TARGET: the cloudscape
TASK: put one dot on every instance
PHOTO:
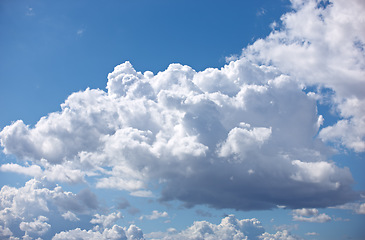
(270, 145)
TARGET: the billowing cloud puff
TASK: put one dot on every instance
(28, 206)
(70, 216)
(245, 146)
(106, 220)
(310, 215)
(115, 232)
(229, 228)
(39, 226)
(321, 44)
(245, 136)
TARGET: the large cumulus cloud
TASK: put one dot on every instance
(245, 136)
(238, 137)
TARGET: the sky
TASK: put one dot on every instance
(156, 119)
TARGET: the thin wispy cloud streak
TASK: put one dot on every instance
(247, 136)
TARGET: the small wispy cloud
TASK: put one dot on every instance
(80, 32)
(30, 12)
(261, 12)
(312, 234)
(155, 215)
(310, 215)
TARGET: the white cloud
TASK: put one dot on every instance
(229, 228)
(33, 170)
(134, 233)
(178, 128)
(310, 215)
(5, 232)
(80, 32)
(70, 216)
(106, 220)
(30, 12)
(280, 235)
(115, 232)
(246, 134)
(36, 199)
(321, 218)
(361, 209)
(306, 211)
(356, 207)
(312, 234)
(155, 215)
(324, 47)
(39, 226)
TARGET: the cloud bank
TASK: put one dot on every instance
(229, 228)
(246, 136)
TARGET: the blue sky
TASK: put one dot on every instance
(182, 119)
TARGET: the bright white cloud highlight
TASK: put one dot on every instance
(39, 226)
(155, 215)
(106, 220)
(70, 216)
(229, 228)
(322, 44)
(36, 199)
(310, 215)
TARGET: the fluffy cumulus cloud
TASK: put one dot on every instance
(324, 43)
(244, 133)
(102, 232)
(245, 136)
(310, 215)
(106, 220)
(229, 228)
(29, 205)
(38, 226)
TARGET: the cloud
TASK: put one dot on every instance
(33, 170)
(245, 136)
(322, 45)
(115, 232)
(106, 220)
(30, 12)
(39, 226)
(80, 32)
(191, 131)
(312, 234)
(155, 215)
(229, 228)
(280, 235)
(55, 173)
(70, 216)
(321, 218)
(310, 215)
(305, 211)
(356, 207)
(29, 205)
